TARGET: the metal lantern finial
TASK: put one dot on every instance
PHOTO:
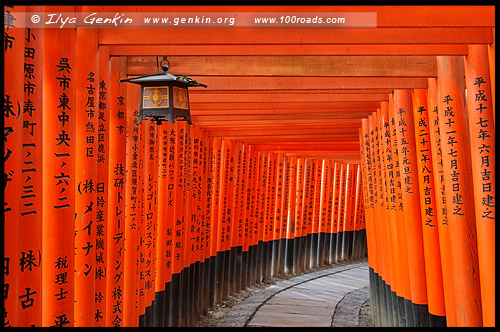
(164, 96)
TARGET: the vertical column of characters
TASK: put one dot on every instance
(116, 193)
(428, 208)
(279, 197)
(254, 207)
(244, 213)
(317, 210)
(323, 205)
(236, 219)
(163, 226)
(264, 171)
(457, 172)
(349, 219)
(341, 212)
(30, 240)
(384, 220)
(180, 221)
(14, 92)
(481, 121)
(149, 212)
(290, 197)
(411, 201)
(227, 195)
(204, 183)
(298, 214)
(401, 231)
(208, 151)
(311, 174)
(391, 200)
(216, 176)
(59, 129)
(277, 213)
(352, 218)
(367, 188)
(101, 206)
(332, 228)
(174, 202)
(243, 180)
(378, 163)
(196, 191)
(132, 208)
(140, 298)
(335, 212)
(268, 198)
(445, 240)
(329, 215)
(85, 175)
(284, 204)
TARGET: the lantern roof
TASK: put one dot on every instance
(162, 77)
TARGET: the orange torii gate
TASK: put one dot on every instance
(286, 167)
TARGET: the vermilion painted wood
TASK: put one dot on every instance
(58, 184)
(396, 35)
(481, 122)
(102, 183)
(428, 207)
(30, 242)
(133, 211)
(13, 178)
(457, 175)
(410, 66)
(445, 244)
(291, 49)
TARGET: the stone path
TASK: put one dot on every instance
(335, 297)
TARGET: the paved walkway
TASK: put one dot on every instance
(334, 297)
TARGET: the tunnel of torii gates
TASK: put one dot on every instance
(309, 147)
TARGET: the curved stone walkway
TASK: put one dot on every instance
(334, 297)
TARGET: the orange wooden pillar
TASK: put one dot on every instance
(411, 203)
(30, 232)
(277, 256)
(164, 234)
(323, 211)
(379, 268)
(401, 238)
(85, 176)
(481, 124)
(299, 218)
(209, 236)
(332, 253)
(236, 219)
(102, 137)
(245, 197)
(308, 210)
(340, 214)
(389, 207)
(428, 209)
(116, 194)
(457, 172)
(382, 224)
(59, 125)
(329, 211)
(269, 222)
(445, 244)
(263, 196)
(289, 231)
(216, 251)
(14, 51)
(365, 148)
(316, 212)
(132, 209)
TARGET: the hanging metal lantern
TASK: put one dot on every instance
(164, 96)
